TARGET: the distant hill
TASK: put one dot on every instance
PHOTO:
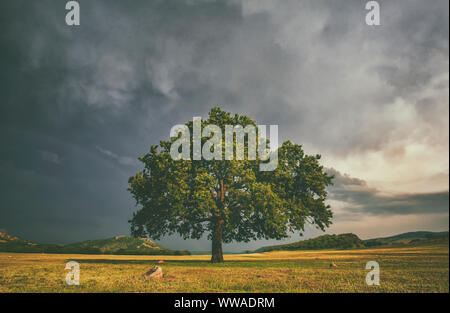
(351, 241)
(411, 238)
(122, 245)
(343, 241)
(10, 243)
(115, 245)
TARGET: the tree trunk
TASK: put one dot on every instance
(217, 254)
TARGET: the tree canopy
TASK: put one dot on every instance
(230, 200)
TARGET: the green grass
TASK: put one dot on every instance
(413, 269)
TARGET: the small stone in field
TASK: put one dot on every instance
(333, 265)
(154, 273)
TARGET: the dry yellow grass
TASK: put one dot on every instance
(417, 269)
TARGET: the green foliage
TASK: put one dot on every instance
(343, 241)
(192, 197)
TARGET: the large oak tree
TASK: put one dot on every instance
(228, 200)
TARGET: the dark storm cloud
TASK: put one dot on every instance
(360, 198)
(78, 105)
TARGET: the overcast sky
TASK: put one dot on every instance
(78, 105)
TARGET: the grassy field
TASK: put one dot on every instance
(418, 269)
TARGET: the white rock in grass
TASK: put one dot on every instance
(154, 273)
